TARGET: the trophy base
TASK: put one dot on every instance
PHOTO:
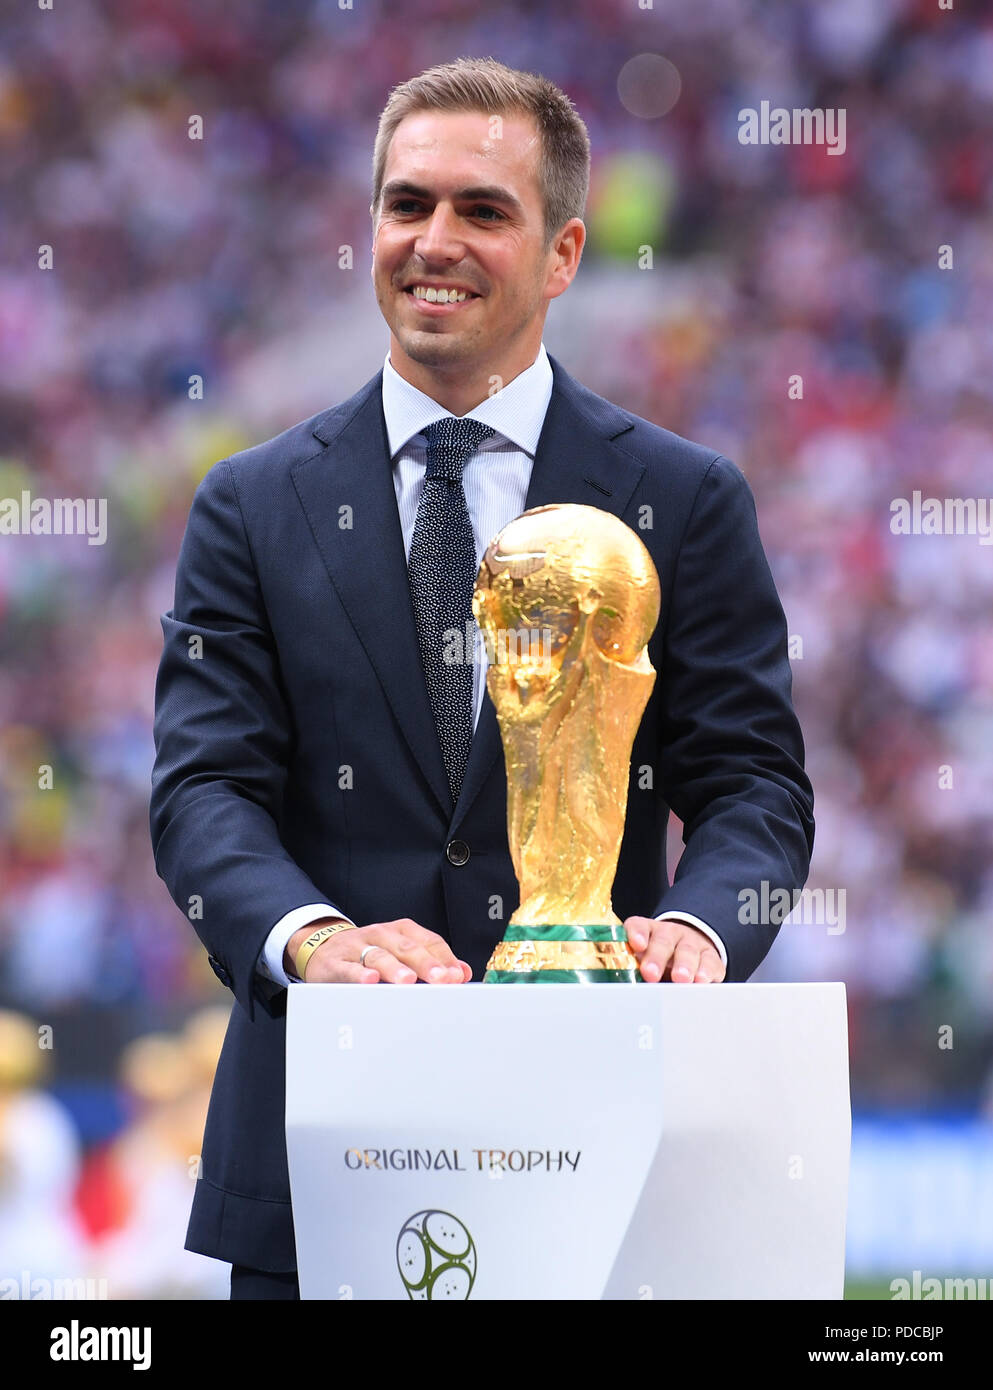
(554, 954)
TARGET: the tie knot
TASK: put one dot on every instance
(452, 441)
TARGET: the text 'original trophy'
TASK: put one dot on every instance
(566, 600)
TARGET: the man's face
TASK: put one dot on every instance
(461, 210)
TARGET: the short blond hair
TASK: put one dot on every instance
(488, 86)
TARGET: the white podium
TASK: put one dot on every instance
(568, 1141)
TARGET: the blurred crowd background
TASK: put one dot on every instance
(221, 258)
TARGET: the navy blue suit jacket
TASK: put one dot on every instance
(292, 571)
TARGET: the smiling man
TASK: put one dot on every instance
(329, 791)
(464, 263)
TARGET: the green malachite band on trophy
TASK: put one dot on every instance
(561, 977)
(594, 932)
(562, 954)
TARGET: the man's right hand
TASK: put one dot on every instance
(404, 953)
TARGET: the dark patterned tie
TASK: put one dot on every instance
(442, 572)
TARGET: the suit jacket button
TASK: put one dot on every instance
(457, 853)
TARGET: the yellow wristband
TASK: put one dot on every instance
(316, 939)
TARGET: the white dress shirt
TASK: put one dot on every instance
(495, 482)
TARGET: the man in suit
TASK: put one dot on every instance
(329, 796)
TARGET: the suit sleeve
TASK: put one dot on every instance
(731, 748)
(223, 738)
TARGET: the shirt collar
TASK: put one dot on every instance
(517, 411)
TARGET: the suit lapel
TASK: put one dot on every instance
(575, 461)
(367, 564)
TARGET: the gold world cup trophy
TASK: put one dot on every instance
(566, 600)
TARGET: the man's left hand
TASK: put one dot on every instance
(673, 951)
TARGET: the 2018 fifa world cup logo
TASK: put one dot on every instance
(436, 1257)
